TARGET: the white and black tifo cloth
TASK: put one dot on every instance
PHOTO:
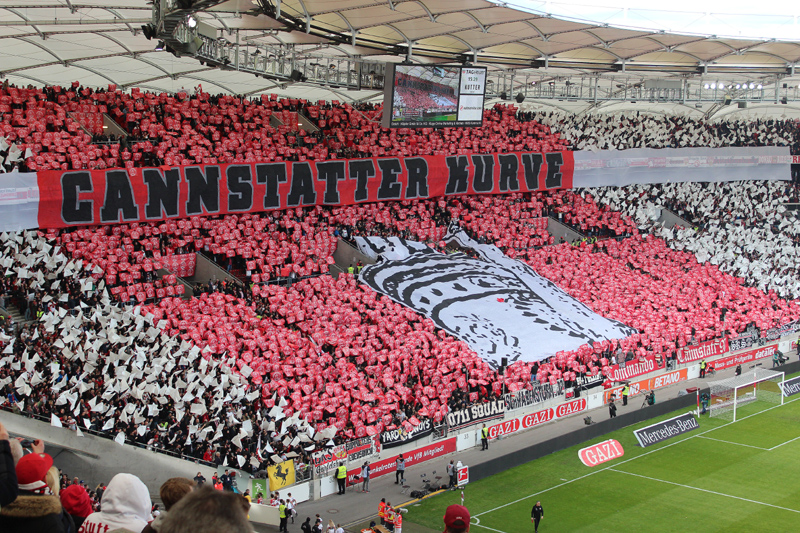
(499, 306)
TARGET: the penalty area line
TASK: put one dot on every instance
(735, 443)
(705, 490)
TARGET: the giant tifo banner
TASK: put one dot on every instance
(84, 197)
(496, 304)
(712, 348)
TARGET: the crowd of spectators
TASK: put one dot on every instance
(36, 496)
(744, 228)
(249, 374)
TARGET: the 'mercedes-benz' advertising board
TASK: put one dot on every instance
(667, 429)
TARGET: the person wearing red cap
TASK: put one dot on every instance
(76, 503)
(456, 519)
(36, 508)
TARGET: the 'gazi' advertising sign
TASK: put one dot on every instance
(600, 453)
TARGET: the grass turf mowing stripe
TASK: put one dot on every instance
(781, 444)
(735, 443)
(703, 490)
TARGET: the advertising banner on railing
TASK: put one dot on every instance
(648, 384)
(90, 197)
(539, 417)
(703, 350)
(414, 457)
(746, 357)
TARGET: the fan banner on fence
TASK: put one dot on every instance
(540, 392)
(89, 197)
(327, 460)
(713, 348)
(399, 436)
(498, 305)
(362, 448)
(475, 414)
(790, 387)
(667, 429)
(281, 475)
(635, 368)
(743, 340)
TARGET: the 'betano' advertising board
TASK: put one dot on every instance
(656, 382)
(537, 418)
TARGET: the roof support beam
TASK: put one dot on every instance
(95, 72)
(43, 47)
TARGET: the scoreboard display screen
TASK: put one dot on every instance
(430, 96)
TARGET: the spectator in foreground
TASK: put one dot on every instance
(36, 508)
(456, 519)
(125, 504)
(206, 510)
(171, 492)
(76, 503)
(8, 475)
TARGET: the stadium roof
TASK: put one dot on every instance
(99, 42)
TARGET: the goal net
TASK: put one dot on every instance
(729, 395)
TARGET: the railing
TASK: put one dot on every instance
(106, 435)
(439, 432)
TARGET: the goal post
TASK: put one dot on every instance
(758, 384)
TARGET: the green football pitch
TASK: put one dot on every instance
(742, 476)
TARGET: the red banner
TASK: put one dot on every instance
(648, 384)
(539, 417)
(745, 357)
(600, 453)
(713, 348)
(420, 455)
(91, 197)
(634, 368)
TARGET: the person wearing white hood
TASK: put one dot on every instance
(125, 505)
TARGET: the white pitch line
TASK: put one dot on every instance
(736, 443)
(787, 442)
(705, 490)
(628, 460)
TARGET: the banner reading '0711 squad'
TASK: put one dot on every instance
(89, 197)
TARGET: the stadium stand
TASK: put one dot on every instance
(282, 340)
